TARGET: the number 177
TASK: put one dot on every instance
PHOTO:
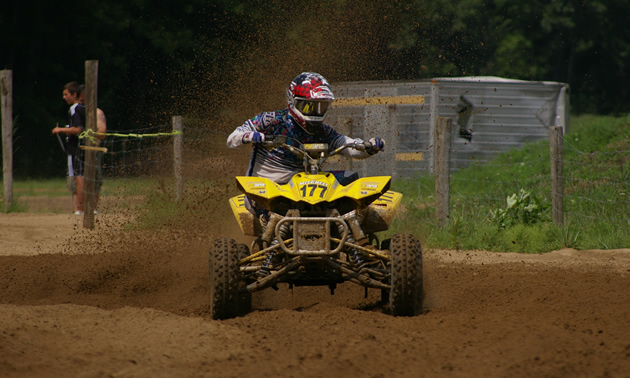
(312, 191)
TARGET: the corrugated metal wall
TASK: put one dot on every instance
(490, 115)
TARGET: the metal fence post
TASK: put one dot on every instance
(441, 168)
(557, 186)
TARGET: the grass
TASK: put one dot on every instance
(33, 188)
(596, 201)
(49, 188)
(596, 196)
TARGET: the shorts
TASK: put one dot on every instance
(75, 164)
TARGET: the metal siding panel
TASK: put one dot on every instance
(505, 116)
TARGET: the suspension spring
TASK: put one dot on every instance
(354, 256)
(264, 270)
(268, 261)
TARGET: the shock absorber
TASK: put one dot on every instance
(354, 256)
(264, 270)
(284, 230)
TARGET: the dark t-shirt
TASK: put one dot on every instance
(76, 115)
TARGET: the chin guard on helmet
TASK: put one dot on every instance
(308, 97)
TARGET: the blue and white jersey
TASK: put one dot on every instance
(280, 164)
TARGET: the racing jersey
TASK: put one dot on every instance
(280, 164)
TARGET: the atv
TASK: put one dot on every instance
(314, 231)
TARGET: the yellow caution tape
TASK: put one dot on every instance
(91, 134)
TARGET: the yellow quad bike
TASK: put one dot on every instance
(315, 232)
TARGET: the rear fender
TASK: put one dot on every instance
(380, 214)
(246, 220)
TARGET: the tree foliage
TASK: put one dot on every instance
(225, 60)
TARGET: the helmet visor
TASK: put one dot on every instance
(312, 108)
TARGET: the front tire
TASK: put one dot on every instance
(406, 293)
(245, 300)
(224, 279)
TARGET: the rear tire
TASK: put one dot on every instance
(224, 279)
(406, 293)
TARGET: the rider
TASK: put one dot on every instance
(308, 98)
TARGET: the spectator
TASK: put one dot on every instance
(75, 126)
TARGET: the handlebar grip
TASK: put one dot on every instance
(275, 140)
(362, 146)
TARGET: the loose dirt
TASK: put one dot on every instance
(113, 303)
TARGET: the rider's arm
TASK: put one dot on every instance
(351, 152)
(261, 124)
(336, 140)
(235, 139)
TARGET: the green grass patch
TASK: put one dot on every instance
(48, 187)
(596, 202)
(596, 197)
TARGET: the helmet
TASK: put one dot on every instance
(308, 97)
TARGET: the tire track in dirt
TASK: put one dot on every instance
(560, 314)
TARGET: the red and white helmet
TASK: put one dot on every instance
(308, 97)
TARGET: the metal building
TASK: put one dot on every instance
(490, 115)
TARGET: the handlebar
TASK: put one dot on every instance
(275, 140)
(281, 140)
(359, 146)
(315, 164)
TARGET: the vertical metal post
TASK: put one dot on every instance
(434, 114)
(557, 185)
(178, 140)
(6, 90)
(441, 169)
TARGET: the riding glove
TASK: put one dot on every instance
(253, 137)
(378, 144)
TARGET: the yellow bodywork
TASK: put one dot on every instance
(246, 220)
(380, 213)
(375, 202)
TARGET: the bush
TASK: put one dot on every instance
(522, 208)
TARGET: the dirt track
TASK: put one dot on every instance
(135, 305)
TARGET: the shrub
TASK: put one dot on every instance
(522, 208)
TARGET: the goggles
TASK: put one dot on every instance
(312, 108)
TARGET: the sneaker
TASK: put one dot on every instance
(78, 212)
(95, 212)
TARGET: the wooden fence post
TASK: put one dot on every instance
(178, 140)
(6, 88)
(91, 85)
(441, 161)
(557, 186)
